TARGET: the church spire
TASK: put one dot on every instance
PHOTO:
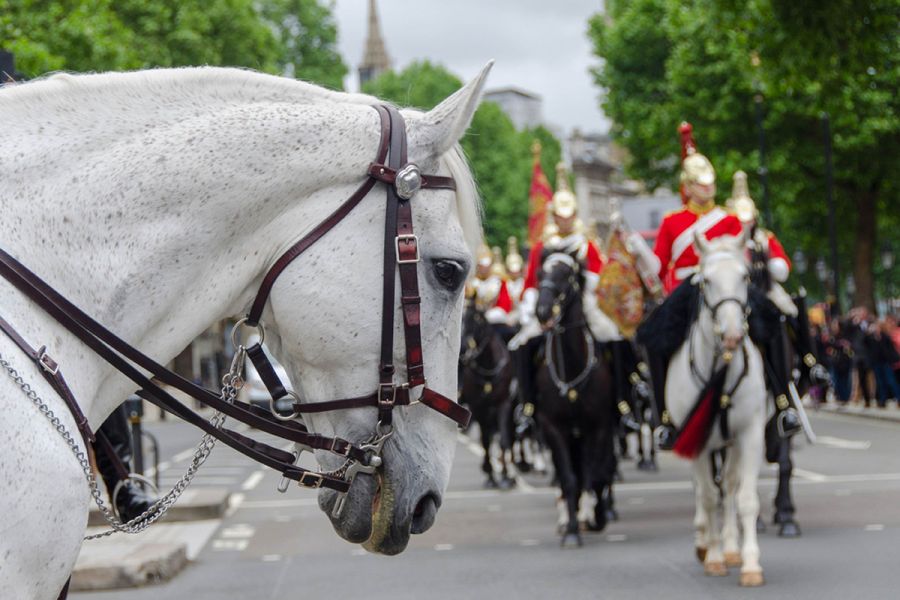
(375, 59)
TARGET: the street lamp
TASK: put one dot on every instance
(800, 263)
(821, 270)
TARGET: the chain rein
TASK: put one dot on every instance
(231, 383)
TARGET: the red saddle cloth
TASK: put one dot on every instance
(694, 433)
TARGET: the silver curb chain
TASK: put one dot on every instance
(231, 382)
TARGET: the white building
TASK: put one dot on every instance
(522, 107)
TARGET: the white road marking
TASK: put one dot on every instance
(810, 475)
(238, 530)
(875, 527)
(150, 472)
(836, 442)
(636, 501)
(617, 537)
(235, 545)
(183, 455)
(494, 508)
(808, 478)
(358, 552)
(253, 480)
(271, 558)
(201, 479)
(234, 503)
(443, 547)
(529, 542)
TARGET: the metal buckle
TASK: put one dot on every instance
(47, 363)
(346, 451)
(405, 237)
(393, 395)
(319, 480)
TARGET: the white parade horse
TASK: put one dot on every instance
(716, 337)
(156, 201)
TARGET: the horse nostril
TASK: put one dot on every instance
(425, 513)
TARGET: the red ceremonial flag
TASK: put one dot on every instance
(539, 195)
(688, 146)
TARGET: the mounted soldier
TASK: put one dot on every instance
(490, 291)
(515, 277)
(675, 260)
(565, 233)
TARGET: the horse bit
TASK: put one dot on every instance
(401, 248)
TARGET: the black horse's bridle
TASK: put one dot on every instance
(401, 253)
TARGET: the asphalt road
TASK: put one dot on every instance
(493, 544)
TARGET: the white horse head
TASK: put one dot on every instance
(157, 200)
(723, 278)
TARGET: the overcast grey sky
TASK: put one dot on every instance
(538, 45)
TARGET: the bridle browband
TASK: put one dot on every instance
(402, 180)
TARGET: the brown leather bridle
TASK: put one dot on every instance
(402, 180)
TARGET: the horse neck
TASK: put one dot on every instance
(169, 231)
(572, 339)
(702, 339)
(493, 350)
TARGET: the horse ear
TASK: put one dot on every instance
(701, 242)
(443, 126)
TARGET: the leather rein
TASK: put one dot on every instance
(401, 252)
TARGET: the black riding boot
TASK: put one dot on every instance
(785, 422)
(621, 352)
(525, 371)
(131, 500)
(664, 432)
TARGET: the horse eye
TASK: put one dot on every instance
(449, 273)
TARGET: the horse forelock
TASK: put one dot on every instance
(468, 203)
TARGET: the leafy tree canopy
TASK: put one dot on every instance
(293, 37)
(709, 61)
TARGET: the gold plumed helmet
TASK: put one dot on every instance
(741, 204)
(514, 260)
(484, 257)
(497, 267)
(695, 168)
(564, 204)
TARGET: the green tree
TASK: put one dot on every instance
(295, 37)
(307, 34)
(707, 60)
(499, 155)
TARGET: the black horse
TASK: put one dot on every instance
(574, 396)
(486, 375)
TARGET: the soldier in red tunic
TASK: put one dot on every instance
(676, 260)
(565, 234)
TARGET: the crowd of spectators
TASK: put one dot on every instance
(862, 354)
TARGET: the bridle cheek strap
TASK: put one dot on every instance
(401, 248)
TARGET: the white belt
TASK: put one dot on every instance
(685, 272)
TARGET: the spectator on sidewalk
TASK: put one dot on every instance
(859, 323)
(839, 359)
(883, 357)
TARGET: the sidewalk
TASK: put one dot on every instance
(156, 554)
(890, 413)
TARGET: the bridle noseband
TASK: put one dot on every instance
(401, 252)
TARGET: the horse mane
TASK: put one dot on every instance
(113, 104)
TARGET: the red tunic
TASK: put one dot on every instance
(776, 250)
(593, 262)
(675, 241)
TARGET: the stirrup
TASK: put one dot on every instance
(664, 436)
(786, 431)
